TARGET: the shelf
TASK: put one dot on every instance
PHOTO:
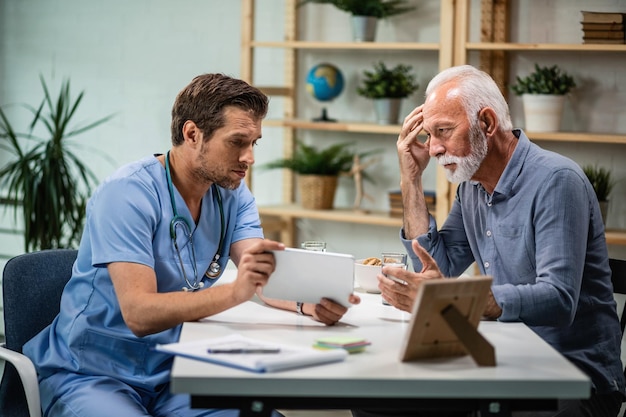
(615, 237)
(358, 127)
(585, 137)
(354, 127)
(373, 46)
(293, 211)
(451, 49)
(552, 47)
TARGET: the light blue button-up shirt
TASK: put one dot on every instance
(540, 236)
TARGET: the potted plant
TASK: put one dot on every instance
(45, 178)
(318, 171)
(387, 87)
(602, 183)
(366, 13)
(543, 95)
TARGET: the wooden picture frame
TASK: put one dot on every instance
(445, 319)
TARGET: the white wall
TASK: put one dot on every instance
(132, 57)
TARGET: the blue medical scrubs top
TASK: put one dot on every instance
(128, 220)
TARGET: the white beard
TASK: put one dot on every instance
(466, 166)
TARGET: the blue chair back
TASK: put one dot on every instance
(32, 285)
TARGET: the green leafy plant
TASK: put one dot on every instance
(544, 80)
(383, 82)
(601, 181)
(45, 178)
(308, 160)
(380, 9)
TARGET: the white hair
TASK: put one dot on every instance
(476, 90)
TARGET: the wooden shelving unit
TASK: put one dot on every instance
(372, 218)
(494, 47)
(282, 218)
(584, 137)
(452, 49)
(551, 47)
(615, 237)
(359, 127)
(356, 46)
(353, 127)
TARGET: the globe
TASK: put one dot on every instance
(324, 82)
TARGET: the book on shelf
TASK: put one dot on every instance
(603, 34)
(604, 41)
(395, 202)
(396, 196)
(241, 352)
(602, 26)
(602, 17)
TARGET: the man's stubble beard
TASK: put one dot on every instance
(208, 175)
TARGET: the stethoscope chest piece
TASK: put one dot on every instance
(214, 268)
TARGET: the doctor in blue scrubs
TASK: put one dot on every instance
(158, 235)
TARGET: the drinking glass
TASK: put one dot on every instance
(395, 259)
(314, 245)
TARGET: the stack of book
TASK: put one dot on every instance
(395, 202)
(603, 27)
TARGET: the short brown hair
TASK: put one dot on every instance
(204, 99)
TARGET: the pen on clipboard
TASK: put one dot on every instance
(244, 350)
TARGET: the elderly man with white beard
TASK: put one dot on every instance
(528, 217)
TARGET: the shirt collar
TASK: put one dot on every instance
(514, 166)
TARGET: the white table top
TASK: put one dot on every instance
(527, 367)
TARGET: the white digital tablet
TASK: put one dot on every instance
(309, 276)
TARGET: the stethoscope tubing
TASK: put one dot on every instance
(214, 267)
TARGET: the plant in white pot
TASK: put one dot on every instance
(387, 87)
(366, 13)
(543, 96)
(602, 183)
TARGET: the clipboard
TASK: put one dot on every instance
(445, 320)
(281, 357)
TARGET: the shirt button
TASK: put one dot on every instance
(488, 233)
(486, 264)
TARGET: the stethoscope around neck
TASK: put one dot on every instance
(179, 221)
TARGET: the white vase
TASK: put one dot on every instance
(364, 28)
(542, 112)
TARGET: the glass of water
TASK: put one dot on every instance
(314, 245)
(395, 259)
